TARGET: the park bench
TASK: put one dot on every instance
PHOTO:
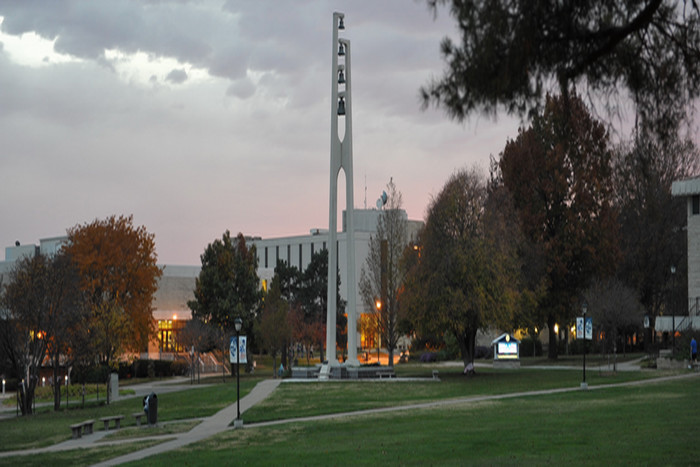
(137, 416)
(117, 421)
(82, 428)
(436, 374)
(385, 374)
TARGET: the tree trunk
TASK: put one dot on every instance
(56, 387)
(553, 351)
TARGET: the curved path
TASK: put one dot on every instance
(210, 426)
(221, 420)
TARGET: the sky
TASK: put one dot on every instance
(198, 117)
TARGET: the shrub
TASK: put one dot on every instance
(427, 357)
(481, 351)
(526, 347)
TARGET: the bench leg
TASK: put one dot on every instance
(117, 424)
(106, 425)
(87, 429)
(77, 432)
(138, 422)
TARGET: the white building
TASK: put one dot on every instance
(176, 285)
(297, 251)
(690, 319)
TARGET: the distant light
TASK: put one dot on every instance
(556, 329)
(174, 317)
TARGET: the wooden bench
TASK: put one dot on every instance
(137, 416)
(117, 421)
(82, 428)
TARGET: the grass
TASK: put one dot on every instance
(652, 423)
(315, 398)
(47, 428)
(76, 457)
(649, 424)
(160, 430)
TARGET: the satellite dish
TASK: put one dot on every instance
(382, 200)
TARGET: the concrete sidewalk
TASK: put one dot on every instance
(210, 426)
(217, 423)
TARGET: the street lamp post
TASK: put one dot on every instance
(238, 422)
(673, 312)
(584, 309)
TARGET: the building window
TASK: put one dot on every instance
(277, 254)
(168, 332)
(289, 255)
(312, 250)
(266, 266)
(696, 204)
(300, 252)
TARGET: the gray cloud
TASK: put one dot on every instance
(177, 76)
(244, 148)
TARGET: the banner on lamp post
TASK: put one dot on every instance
(584, 328)
(579, 327)
(589, 329)
(241, 349)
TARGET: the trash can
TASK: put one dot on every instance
(151, 409)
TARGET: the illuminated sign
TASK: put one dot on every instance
(506, 348)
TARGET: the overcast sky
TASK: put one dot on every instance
(202, 116)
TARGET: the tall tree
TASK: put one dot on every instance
(615, 309)
(117, 264)
(274, 328)
(68, 313)
(652, 222)
(559, 173)
(510, 53)
(459, 282)
(43, 305)
(313, 296)
(228, 286)
(382, 276)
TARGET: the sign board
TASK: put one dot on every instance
(584, 328)
(242, 350)
(579, 327)
(505, 347)
(589, 329)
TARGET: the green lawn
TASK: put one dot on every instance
(48, 427)
(305, 399)
(650, 424)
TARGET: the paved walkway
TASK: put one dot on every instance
(221, 421)
(210, 426)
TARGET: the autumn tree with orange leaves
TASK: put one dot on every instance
(117, 264)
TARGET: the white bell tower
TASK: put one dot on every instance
(341, 158)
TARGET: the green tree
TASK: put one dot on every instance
(228, 286)
(382, 276)
(274, 330)
(313, 297)
(615, 309)
(458, 284)
(652, 222)
(118, 269)
(559, 174)
(509, 53)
